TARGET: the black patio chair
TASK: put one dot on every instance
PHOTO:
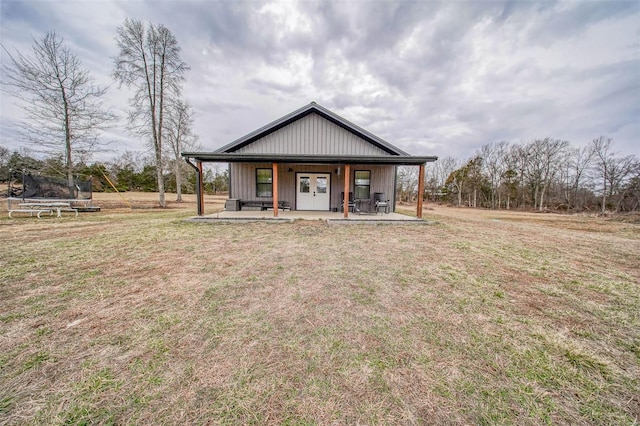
(381, 202)
(352, 203)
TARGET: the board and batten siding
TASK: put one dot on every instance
(243, 182)
(310, 135)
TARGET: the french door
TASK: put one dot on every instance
(313, 191)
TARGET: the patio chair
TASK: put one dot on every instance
(380, 202)
(352, 203)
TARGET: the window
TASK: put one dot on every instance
(305, 184)
(264, 182)
(321, 185)
(362, 184)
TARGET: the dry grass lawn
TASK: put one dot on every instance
(137, 317)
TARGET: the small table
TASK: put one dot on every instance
(362, 206)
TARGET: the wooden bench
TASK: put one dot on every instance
(264, 205)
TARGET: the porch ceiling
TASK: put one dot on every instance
(400, 160)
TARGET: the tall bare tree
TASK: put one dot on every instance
(543, 163)
(64, 109)
(149, 61)
(436, 176)
(579, 162)
(457, 179)
(624, 169)
(407, 183)
(179, 131)
(602, 149)
(493, 164)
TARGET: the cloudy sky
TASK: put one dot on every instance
(433, 78)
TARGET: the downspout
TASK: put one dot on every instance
(230, 174)
(198, 199)
(395, 187)
(420, 190)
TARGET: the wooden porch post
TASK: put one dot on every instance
(275, 189)
(200, 189)
(345, 202)
(420, 190)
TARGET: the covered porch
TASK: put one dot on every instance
(282, 165)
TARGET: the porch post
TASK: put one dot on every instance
(345, 202)
(275, 189)
(199, 190)
(420, 190)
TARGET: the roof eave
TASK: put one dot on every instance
(232, 157)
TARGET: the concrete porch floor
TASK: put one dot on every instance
(290, 216)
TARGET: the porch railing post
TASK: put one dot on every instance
(275, 189)
(345, 201)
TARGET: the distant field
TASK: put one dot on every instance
(133, 316)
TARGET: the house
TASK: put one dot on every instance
(310, 159)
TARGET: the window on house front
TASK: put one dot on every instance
(264, 182)
(362, 184)
(305, 184)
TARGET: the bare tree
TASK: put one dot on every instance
(179, 131)
(629, 199)
(436, 176)
(64, 109)
(5, 156)
(493, 155)
(603, 164)
(578, 165)
(457, 179)
(445, 166)
(149, 61)
(620, 171)
(407, 183)
(543, 161)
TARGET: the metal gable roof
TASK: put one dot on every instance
(302, 112)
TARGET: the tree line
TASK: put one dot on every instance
(542, 174)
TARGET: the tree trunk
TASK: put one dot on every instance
(68, 159)
(160, 179)
(160, 127)
(178, 181)
(604, 194)
(541, 206)
(67, 137)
